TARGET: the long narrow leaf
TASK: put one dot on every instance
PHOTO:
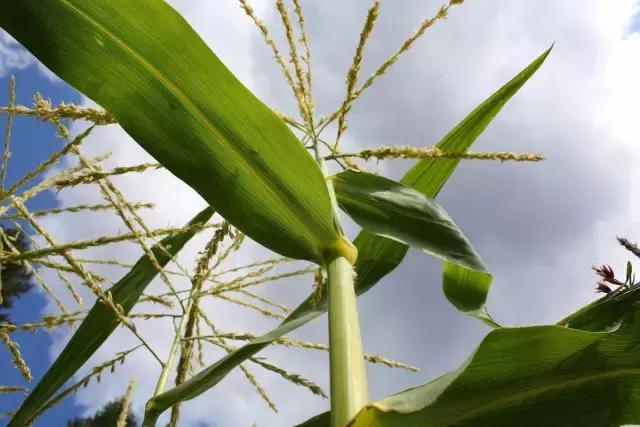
(101, 321)
(529, 377)
(213, 374)
(389, 209)
(377, 256)
(144, 63)
(605, 313)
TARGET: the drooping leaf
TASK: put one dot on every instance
(529, 377)
(144, 63)
(389, 209)
(605, 313)
(377, 256)
(467, 290)
(100, 322)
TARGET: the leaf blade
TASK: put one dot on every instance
(429, 176)
(377, 256)
(169, 91)
(605, 313)
(540, 375)
(395, 211)
(390, 209)
(100, 322)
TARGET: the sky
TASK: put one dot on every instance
(539, 227)
(34, 143)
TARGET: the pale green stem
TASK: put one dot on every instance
(349, 390)
(348, 372)
(168, 365)
(150, 416)
(166, 369)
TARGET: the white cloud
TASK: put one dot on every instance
(12, 55)
(587, 91)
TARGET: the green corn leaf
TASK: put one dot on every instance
(144, 63)
(389, 209)
(100, 322)
(467, 290)
(213, 374)
(528, 377)
(605, 313)
(377, 256)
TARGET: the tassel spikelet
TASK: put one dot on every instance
(214, 274)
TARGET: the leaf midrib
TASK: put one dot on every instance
(549, 386)
(173, 88)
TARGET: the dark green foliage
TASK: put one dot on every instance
(105, 417)
(16, 278)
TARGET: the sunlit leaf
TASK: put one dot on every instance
(101, 321)
(377, 256)
(529, 377)
(144, 63)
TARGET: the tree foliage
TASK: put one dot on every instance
(16, 277)
(105, 417)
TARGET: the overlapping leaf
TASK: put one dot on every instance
(605, 313)
(101, 321)
(377, 256)
(389, 209)
(529, 377)
(144, 63)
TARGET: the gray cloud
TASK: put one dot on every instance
(538, 226)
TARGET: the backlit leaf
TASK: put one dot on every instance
(530, 377)
(377, 256)
(143, 62)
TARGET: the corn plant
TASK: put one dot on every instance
(162, 84)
